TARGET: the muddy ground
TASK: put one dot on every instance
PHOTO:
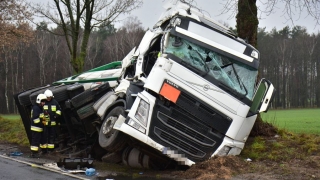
(231, 167)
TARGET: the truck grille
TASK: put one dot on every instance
(190, 127)
(184, 127)
(209, 117)
(178, 144)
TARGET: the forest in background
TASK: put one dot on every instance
(290, 59)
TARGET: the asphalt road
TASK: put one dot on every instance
(11, 168)
(25, 168)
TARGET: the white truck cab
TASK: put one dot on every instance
(200, 96)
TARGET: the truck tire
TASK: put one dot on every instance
(59, 92)
(24, 97)
(33, 96)
(110, 139)
(74, 90)
(85, 111)
(89, 95)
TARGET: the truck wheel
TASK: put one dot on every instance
(74, 90)
(89, 95)
(24, 97)
(109, 138)
(33, 96)
(59, 93)
(85, 111)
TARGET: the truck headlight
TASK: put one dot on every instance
(136, 125)
(142, 112)
(224, 151)
(255, 54)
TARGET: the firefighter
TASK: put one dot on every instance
(52, 110)
(37, 125)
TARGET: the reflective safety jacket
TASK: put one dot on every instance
(52, 112)
(37, 118)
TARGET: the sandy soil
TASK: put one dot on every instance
(231, 167)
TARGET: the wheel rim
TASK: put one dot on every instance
(107, 129)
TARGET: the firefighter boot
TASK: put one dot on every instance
(43, 151)
(34, 154)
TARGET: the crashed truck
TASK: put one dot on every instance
(188, 92)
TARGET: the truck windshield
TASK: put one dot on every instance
(231, 73)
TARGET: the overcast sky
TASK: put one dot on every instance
(151, 10)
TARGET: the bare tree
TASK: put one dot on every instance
(290, 8)
(72, 15)
(93, 49)
(13, 27)
(13, 30)
(6, 52)
(42, 47)
(55, 40)
(134, 31)
(114, 46)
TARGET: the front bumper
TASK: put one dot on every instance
(125, 128)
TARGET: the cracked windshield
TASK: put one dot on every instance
(233, 74)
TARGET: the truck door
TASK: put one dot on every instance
(262, 97)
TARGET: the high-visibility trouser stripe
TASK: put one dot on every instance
(36, 120)
(37, 129)
(43, 146)
(53, 123)
(58, 112)
(50, 146)
(34, 148)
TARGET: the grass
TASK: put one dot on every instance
(295, 120)
(299, 131)
(285, 147)
(298, 136)
(10, 116)
(12, 131)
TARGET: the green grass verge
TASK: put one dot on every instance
(10, 116)
(295, 120)
(12, 131)
(301, 121)
(284, 147)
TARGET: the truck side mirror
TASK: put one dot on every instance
(262, 97)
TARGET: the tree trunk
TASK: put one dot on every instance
(84, 44)
(6, 81)
(247, 28)
(247, 21)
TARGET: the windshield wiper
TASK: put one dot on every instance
(206, 68)
(239, 80)
(226, 65)
(241, 85)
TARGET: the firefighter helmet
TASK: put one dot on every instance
(48, 93)
(41, 97)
